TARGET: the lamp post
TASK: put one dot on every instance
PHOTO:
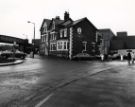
(33, 38)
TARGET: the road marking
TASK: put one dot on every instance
(44, 100)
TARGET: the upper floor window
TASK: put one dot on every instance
(79, 30)
(61, 33)
(65, 32)
(53, 36)
(52, 46)
(45, 27)
(43, 38)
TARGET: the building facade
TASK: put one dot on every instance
(22, 44)
(67, 38)
(44, 32)
(103, 40)
(122, 43)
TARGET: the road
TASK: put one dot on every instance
(28, 84)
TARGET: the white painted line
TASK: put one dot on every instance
(44, 100)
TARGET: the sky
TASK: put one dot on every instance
(118, 15)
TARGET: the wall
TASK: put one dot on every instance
(88, 34)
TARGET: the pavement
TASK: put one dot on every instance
(18, 61)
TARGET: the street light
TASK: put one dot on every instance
(33, 37)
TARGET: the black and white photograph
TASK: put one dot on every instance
(67, 53)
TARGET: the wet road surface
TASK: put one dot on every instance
(111, 88)
(27, 84)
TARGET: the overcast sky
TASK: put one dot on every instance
(118, 15)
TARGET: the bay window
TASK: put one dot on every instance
(62, 45)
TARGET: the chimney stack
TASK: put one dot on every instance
(57, 17)
(66, 16)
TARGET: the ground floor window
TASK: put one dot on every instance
(59, 47)
(65, 45)
(52, 46)
(84, 45)
(62, 45)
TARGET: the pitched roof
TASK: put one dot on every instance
(77, 21)
(67, 23)
(106, 30)
(64, 23)
(48, 21)
(82, 19)
(57, 21)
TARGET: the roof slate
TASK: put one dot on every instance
(64, 23)
(77, 21)
(67, 23)
(57, 21)
(48, 21)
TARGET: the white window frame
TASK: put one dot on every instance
(65, 32)
(53, 36)
(52, 47)
(65, 45)
(59, 44)
(85, 45)
(62, 43)
(61, 33)
(45, 27)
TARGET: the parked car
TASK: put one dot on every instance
(9, 54)
(114, 56)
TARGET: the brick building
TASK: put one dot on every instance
(103, 39)
(67, 38)
(44, 40)
(123, 42)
